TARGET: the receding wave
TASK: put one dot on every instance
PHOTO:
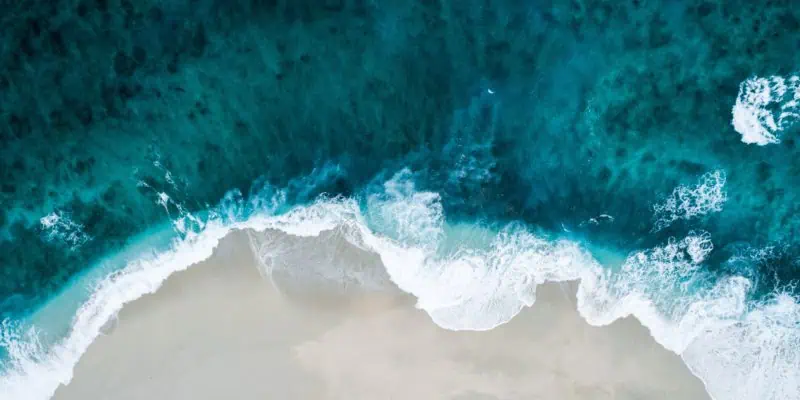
(466, 276)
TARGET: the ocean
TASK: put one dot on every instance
(648, 150)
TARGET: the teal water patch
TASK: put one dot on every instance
(574, 117)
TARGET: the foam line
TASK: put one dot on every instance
(477, 284)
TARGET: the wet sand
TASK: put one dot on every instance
(224, 330)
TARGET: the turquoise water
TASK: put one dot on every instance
(617, 126)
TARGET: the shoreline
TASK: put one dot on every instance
(63, 305)
(214, 325)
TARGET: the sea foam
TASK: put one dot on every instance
(472, 278)
(686, 202)
(765, 108)
(59, 228)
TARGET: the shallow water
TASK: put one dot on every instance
(664, 129)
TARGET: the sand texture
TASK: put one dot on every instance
(222, 330)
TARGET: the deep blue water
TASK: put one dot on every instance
(553, 112)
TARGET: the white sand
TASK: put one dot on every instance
(222, 331)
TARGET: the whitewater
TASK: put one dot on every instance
(468, 277)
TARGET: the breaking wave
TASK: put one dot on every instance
(765, 108)
(685, 202)
(466, 277)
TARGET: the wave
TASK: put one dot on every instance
(467, 277)
(765, 108)
(60, 228)
(707, 196)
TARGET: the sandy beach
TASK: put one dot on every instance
(225, 329)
